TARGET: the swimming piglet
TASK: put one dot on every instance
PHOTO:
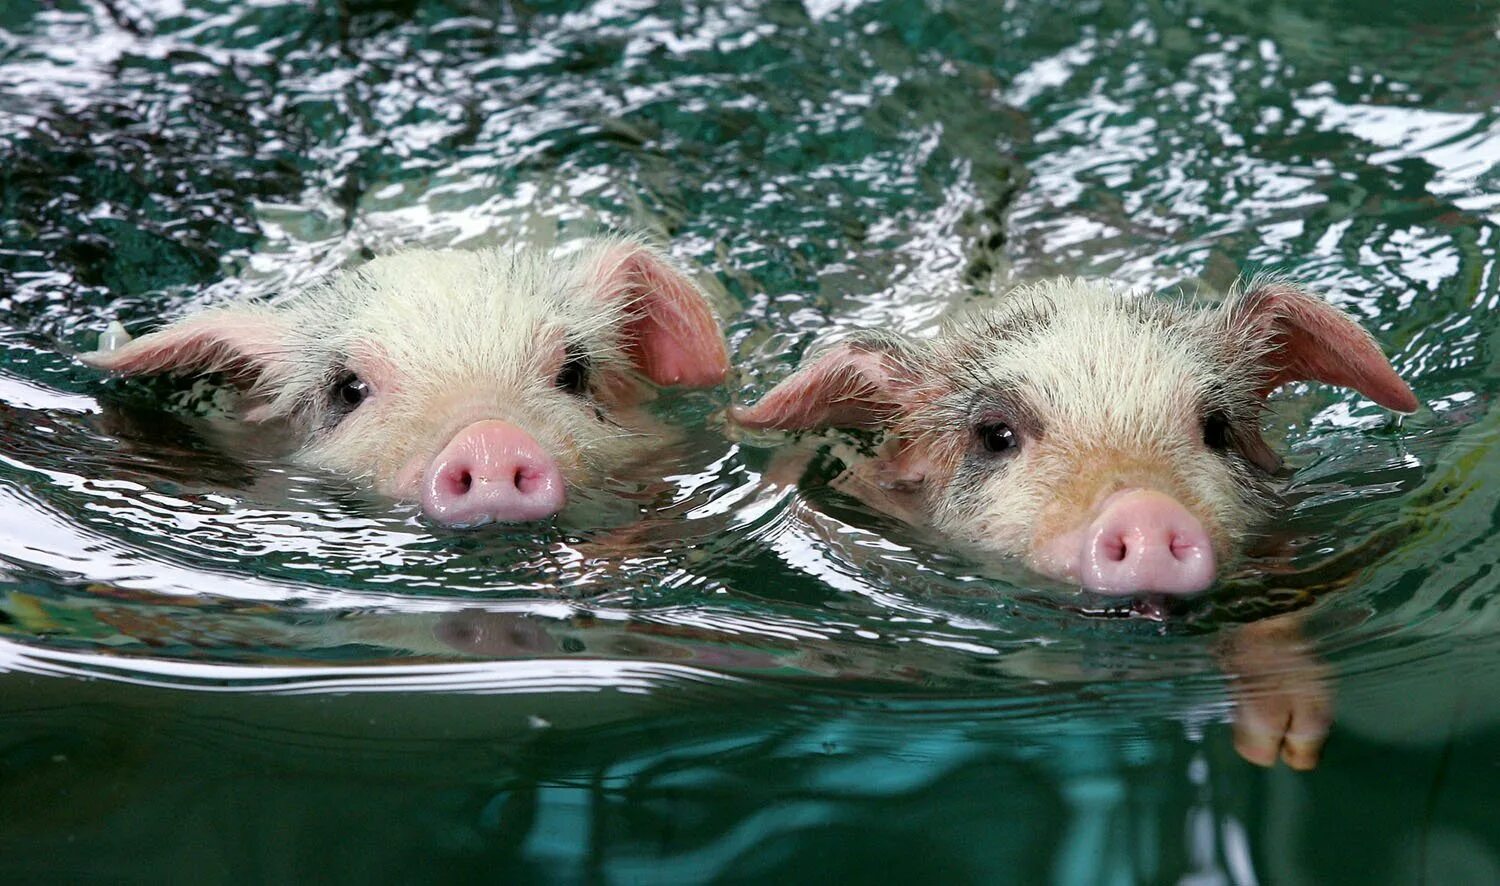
(482, 384)
(1112, 441)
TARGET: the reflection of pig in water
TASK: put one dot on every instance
(480, 384)
(1110, 441)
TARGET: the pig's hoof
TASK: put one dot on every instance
(1286, 714)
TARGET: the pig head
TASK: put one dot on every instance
(480, 384)
(1112, 441)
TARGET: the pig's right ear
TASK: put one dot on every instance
(242, 342)
(856, 384)
(1311, 340)
(671, 334)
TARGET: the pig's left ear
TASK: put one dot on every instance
(241, 341)
(1313, 341)
(671, 334)
(862, 383)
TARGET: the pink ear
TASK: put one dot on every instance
(1314, 341)
(241, 341)
(851, 385)
(672, 336)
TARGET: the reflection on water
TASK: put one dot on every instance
(712, 673)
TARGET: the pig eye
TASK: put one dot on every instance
(997, 437)
(574, 375)
(1216, 431)
(349, 390)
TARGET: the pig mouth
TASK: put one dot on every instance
(1148, 607)
(1139, 541)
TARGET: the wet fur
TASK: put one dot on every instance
(1107, 389)
(444, 338)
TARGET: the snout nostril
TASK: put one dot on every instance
(1143, 541)
(491, 472)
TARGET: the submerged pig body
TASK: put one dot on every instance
(480, 384)
(1112, 440)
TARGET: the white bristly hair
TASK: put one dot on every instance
(1109, 387)
(464, 333)
(445, 338)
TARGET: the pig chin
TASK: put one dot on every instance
(1137, 541)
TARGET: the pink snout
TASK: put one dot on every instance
(1144, 541)
(492, 471)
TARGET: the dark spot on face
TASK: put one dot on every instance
(996, 425)
(1001, 417)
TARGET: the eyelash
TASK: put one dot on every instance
(573, 377)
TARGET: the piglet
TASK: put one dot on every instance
(1112, 442)
(481, 384)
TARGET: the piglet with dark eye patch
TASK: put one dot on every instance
(1110, 441)
(481, 384)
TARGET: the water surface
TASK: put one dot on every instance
(219, 667)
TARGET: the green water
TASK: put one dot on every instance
(219, 668)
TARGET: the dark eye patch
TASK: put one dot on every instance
(1000, 419)
(573, 377)
(997, 437)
